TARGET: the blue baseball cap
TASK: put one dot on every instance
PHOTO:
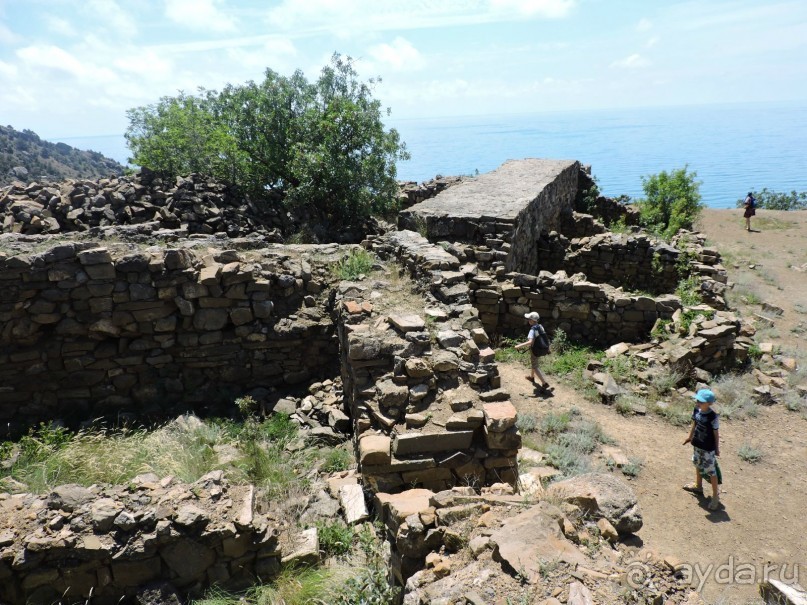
(704, 396)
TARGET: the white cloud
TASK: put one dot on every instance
(351, 17)
(203, 15)
(399, 55)
(7, 70)
(652, 42)
(274, 53)
(644, 25)
(7, 36)
(58, 60)
(112, 16)
(550, 9)
(59, 26)
(144, 63)
(634, 61)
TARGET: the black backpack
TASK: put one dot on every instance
(540, 344)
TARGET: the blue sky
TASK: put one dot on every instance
(73, 67)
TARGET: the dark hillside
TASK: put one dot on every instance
(25, 157)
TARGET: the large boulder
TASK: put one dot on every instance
(603, 495)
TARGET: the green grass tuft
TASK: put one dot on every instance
(359, 262)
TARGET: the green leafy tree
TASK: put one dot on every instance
(672, 201)
(319, 147)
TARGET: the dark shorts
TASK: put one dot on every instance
(749, 212)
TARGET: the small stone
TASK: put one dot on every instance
(125, 520)
(607, 530)
(189, 515)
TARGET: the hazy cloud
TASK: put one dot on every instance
(399, 55)
(644, 25)
(651, 42)
(550, 9)
(356, 16)
(7, 70)
(7, 36)
(631, 62)
(202, 15)
(60, 26)
(58, 60)
(112, 16)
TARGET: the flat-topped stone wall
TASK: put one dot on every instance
(88, 331)
(501, 213)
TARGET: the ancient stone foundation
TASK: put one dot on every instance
(502, 213)
(105, 544)
(422, 385)
(115, 331)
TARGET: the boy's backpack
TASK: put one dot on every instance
(540, 344)
(753, 201)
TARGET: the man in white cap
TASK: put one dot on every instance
(538, 342)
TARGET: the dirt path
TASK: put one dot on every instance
(764, 519)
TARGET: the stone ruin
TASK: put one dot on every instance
(168, 315)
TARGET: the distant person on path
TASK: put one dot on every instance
(705, 439)
(538, 342)
(750, 206)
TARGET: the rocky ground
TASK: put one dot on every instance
(761, 521)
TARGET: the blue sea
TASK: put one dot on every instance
(732, 148)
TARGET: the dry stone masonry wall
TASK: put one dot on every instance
(105, 544)
(502, 213)
(423, 388)
(88, 331)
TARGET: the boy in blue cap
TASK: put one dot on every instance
(705, 438)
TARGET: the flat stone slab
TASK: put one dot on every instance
(351, 497)
(418, 443)
(501, 194)
(407, 322)
(527, 541)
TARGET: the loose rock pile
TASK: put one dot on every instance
(188, 205)
(459, 546)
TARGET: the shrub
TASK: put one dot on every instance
(337, 459)
(771, 200)
(571, 360)
(633, 467)
(553, 424)
(320, 146)
(689, 291)
(672, 201)
(279, 427)
(526, 423)
(665, 380)
(358, 262)
(335, 538)
(246, 405)
(749, 453)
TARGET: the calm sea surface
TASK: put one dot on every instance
(733, 148)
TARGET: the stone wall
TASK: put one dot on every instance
(107, 544)
(585, 311)
(422, 385)
(501, 214)
(635, 262)
(122, 331)
(411, 192)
